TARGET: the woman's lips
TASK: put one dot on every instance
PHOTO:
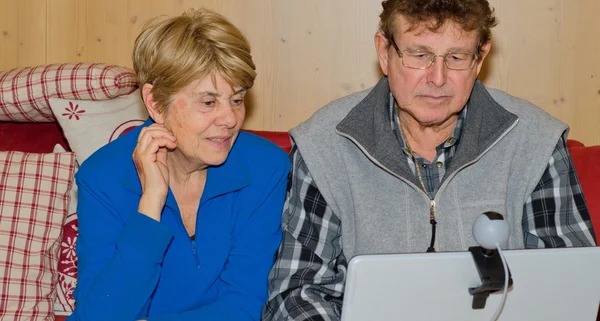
(220, 141)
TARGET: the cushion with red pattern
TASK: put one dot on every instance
(34, 195)
(24, 92)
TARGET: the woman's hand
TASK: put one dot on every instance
(150, 159)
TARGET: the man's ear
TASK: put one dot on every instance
(151, 105)
(382, 47)
(483, 52)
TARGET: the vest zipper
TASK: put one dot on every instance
(472, 162)
(432, 219)
(433, 244)
(431, 202)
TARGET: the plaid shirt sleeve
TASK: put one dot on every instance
(307, 280)
(555, 215)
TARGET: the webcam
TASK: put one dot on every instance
(489, 229)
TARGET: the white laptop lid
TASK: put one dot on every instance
(548, 285)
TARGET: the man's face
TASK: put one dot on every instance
(431, 96)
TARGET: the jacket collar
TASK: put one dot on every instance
(231, 176)
(368, 125)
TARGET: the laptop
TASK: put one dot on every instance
(548, 285)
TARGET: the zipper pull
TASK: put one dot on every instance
(432, 213)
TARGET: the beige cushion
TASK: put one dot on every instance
(89, 125)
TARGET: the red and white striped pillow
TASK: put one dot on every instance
(24, 92)
(34, 195)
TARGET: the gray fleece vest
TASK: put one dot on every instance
(357, 164)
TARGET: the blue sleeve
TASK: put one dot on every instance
(244, 280)
(119, 259)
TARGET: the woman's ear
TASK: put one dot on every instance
(151, 105)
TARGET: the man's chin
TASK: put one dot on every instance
(433, 120)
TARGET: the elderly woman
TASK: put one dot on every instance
(188, 229)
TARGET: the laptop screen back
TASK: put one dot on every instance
(549, 285)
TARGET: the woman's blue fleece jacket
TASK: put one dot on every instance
(132, 267)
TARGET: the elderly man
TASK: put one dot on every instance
(408, 165)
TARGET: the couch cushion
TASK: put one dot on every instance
(572, 143)
(64, 304)
(24, 92)
(31, 137)
(280, 138)
(34, 194)
(89, 125)
(67, 264)
(587, 164)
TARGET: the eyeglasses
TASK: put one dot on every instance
(418, 59)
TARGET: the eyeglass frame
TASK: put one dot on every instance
(401, 55)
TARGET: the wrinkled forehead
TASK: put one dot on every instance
(405, 25)
(448, 31)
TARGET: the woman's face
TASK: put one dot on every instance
(206, 117)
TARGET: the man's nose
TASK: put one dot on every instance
(438, 72)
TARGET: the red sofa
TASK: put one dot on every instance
(41, 137)
(587, 164)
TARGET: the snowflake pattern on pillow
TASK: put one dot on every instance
(67, 267)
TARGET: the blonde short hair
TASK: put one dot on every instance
(170, 53)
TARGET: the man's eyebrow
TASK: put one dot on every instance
(429, 49)
(419, 47)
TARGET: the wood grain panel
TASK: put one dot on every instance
(31, 33)
(583, 107)
(317, 61)
(68, 31)
(545, 51)
(109, 37)
(8, 34)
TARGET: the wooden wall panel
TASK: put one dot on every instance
(31, 24)
(546, 51)
(110, 31)
(68, 31)
(317, 61)
(310, 52)
(583, 73)
(22, 33)
(8, 34)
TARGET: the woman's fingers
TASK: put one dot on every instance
(149, 154)
(149, 157)
(155, 144)
(149, 133)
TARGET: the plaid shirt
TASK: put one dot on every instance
(307, 280)
(431, 172)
